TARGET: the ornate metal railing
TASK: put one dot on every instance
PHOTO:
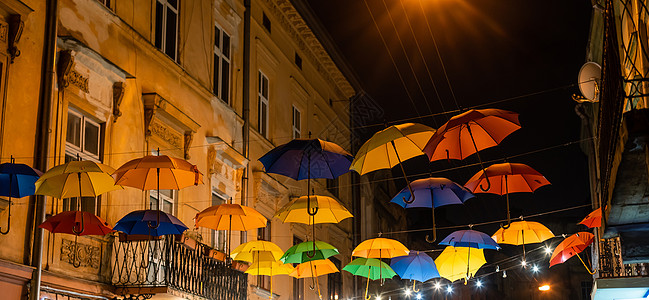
(143, 266)
(610, 261)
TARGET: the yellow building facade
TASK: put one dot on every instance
(218, 83)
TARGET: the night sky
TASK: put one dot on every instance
(523, 55)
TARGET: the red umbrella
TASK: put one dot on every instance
(76, 223)
(570, 247)
(593, 219)
(506, 178)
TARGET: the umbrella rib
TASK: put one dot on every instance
(488, 133)
(273, 163)
(328, 166)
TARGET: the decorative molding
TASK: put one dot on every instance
(188, 138)
(16, 26)
(78, 80)
(87, 255)
(63, 67)
(166, 134)
(118, 96)
(306, 40)
(4, 29)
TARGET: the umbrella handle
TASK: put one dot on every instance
(74, 255)
(8, 209)
(405, 176)
(74, 230)
(488, 185)
(509, 219)
(157, 223)
(367, 287)
(434, 227)
(585, 266)
(477, 152)
(311, 254)
(414, 289)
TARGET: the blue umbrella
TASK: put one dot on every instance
(431, 193)
(415, 266)
(145, 222)
(16, 181)
(471, 239)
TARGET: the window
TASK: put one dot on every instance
(218, 236)
(297, 123)
(264, 234)
(221, 69)
(263, 104)
(166, 27)
(298, 61)
(335, 282)
(332, 186)
(298, 286)
(82, 142)
(586, 289)
(265, 21)
(105, 2)
(168, 198)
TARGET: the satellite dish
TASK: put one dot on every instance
(589, 80)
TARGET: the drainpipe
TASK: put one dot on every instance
(246, 105)
(43, 138)
(355, 185)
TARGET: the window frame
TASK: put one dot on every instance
(296, 126)
(335, 282)
(173, 200)
(219, 238)
(163, 26)
(298, 285)
(263, 128)
(219, 57)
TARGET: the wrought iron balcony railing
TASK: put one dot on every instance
(152, 266)
(610, 261)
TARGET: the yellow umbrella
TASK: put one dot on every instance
(380, 151)
(270, 268)
(521, 233)
(328, 210)
(380, 248)
(76, 179)
(252, 250)
(314, 269)
(158, 172)
(459, 262)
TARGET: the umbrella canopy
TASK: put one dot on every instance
(307, 158)
(269, 268)
(570, 247)
(379, 152)
(77, 223)
(150, 222)
(470, 132)
(380, 248)
(470, 238)
(329, 210)
(459, 262)
(593, 219)
(230, 217)
(415, 266)
(17, 180)
(522, 232)
(507, 178)
(76, 179)
(314, 268)
(158, 172)
(303, 252)
(433, 192)
(371, 268)
(253, 250)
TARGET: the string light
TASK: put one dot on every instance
(535, 269)
(478, 283)
(449, 289)
(437, 285)
(548, 250)
(504, 273)
(523, 263)
(408, 292)
(418, 296)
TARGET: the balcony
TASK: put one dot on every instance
(165, 266)
(615, 279)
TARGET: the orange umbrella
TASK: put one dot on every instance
(503, 179)
(593, 219)
(570, 247)
(158, 172)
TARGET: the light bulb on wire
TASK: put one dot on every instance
(418, 296)
(408, 292)
(535, 269)
(504, 273)
(478, 283)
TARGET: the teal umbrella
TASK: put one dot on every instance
(303, 252)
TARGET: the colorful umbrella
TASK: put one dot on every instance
(470, 132)
(77, 223)
(380, 151)
(76, 179)
(269, 268)
(370, 268)
(433, 192)
(16, 181)
(593, 219)
(329, 210)
(570, 247)
(249, 251)
(416, 266)
(313, 269)
(300, 253)
(521, 233)
(230, 217)
(150, 222)
(459, 262)
(380, 248)
(471, 239)
(507, 178)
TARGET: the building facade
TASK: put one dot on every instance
(218, 83)
(615, 129)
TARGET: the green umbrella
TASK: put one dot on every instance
(370, 268)
(303, 252)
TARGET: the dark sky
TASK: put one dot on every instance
(525, 55)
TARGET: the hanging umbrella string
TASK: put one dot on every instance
(477, 152)
(412, 195)
(509, 219)
(9, 208)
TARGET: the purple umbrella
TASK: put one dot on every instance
(431, 193)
